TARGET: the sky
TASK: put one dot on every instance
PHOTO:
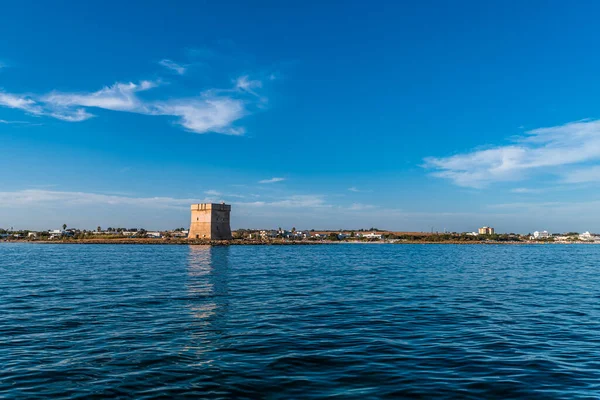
(408, 116)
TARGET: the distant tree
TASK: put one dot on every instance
(64, 226)
(99, 229)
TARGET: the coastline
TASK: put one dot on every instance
(241, 242)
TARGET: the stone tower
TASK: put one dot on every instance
(210, 221)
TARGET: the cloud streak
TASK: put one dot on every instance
(173, 66)
(30, 197)
(31, 106)
(554, 150)
(272, 180)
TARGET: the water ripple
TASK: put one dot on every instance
(348, 321)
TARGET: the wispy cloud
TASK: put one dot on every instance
(545, 150)
(272, 180)
(19, 102)
(213, 110)
(39, 196)
(118, 97)
(31, 106)
(3, 121)
(247, 85)
(525, 190)
(360, 207)
(173, 66)
(582, 175)
(357, 190)
(30, 197)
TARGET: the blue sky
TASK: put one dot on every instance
(405, 116)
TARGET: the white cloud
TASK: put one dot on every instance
(245, 84)
(208, 114)
(3, 121)
(583, 175)
(357, 190)
(38, 196)
(544, 150)
(118, 97)
(77, 115)
(525, 190)
(27, 104)
(272, 180)
(212, 111)
(30, 197)
(360, 207)
(300, 201)
(19, 102)
(173, 66)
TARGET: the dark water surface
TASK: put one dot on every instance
(347, 321)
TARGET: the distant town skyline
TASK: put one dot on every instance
(340, 115)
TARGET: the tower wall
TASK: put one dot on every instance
(210, 221)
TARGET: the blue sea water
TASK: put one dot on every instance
(283, 322)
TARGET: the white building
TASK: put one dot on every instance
(541, 235)
(588, 237)
(371, 235)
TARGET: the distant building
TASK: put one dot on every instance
(486, 230)
(587, 236)
(371, 235)
(210, 221)
(541, 235)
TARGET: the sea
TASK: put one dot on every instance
(347, 321)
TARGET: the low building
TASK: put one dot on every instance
(586, 236)
(57, 234)
(371, 235)
(541, 235)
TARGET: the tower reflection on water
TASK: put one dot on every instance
(207, 291)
